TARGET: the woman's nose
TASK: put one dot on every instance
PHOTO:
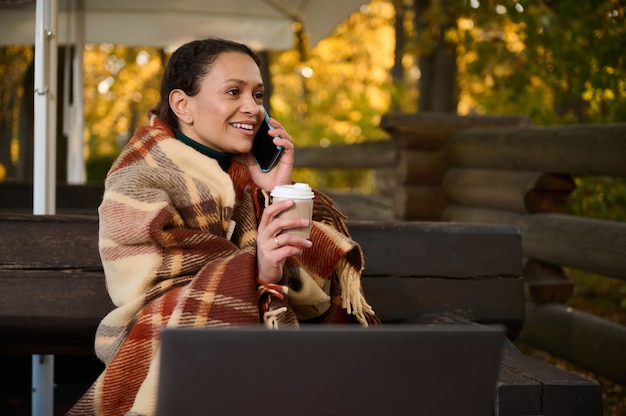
(250, 106)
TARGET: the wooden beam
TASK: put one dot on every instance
(577, 150)
(371, 154)
(566, 240)
(521, 191)
(416, 167)
(49, 242)
(430, 130)
(529, 386)
(428, 249)
(546, 283)
(51, 312)
(487, 300)
(419, 202)
(592, 342)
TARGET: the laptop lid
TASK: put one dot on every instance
(330, 370)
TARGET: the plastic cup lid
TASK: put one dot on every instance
(295, 191)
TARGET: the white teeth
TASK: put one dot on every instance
(242, 126)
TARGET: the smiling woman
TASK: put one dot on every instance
(188, 237)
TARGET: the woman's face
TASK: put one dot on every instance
(227, 111)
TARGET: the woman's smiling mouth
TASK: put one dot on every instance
(244, 126)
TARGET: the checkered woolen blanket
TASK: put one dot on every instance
(178, 246)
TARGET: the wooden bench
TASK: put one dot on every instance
(52, 295)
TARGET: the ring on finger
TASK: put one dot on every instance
(276, 241)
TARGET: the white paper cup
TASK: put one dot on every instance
(302, 195)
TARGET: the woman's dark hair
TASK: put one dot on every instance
(186, 68)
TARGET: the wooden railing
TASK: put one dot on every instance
(503, 170)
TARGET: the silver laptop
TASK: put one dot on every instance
(446, 370)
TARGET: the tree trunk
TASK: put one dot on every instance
(26, 132)
(437, 63)
(397, 72)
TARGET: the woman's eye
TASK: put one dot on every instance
(234, 92)
(258, 96)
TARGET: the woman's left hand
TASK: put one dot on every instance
(280, 174)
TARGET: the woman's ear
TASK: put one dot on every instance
(179, 103)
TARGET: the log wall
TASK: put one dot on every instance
(504, 170)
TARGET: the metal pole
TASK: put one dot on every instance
(43, 385)
(44, 171)
(44, 179)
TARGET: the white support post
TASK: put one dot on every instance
(46, 54)
(44, 171)
(43, 385)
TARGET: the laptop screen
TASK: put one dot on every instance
(330, 370)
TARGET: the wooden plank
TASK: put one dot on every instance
(486, 300)
(528, 386)
(54, 242)
(50, 312)
(438, 249)
(53, 295)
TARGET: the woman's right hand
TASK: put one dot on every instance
(280, 174)
(274, 246)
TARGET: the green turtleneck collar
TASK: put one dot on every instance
(222, 158)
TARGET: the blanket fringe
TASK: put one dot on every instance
(353, 300)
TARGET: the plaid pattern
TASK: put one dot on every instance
(178, 246)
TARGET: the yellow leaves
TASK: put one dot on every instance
(119, 82)
(378, 98)
(465, 24)
(513, 41)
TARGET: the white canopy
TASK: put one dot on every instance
(261, 24)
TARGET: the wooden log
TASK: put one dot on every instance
(370, 154)
(546, 283)
(417, 166)
(566, 240)
(576, 150)
(591, 342)
(520, 191)
(418, 202)
(430, 130)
